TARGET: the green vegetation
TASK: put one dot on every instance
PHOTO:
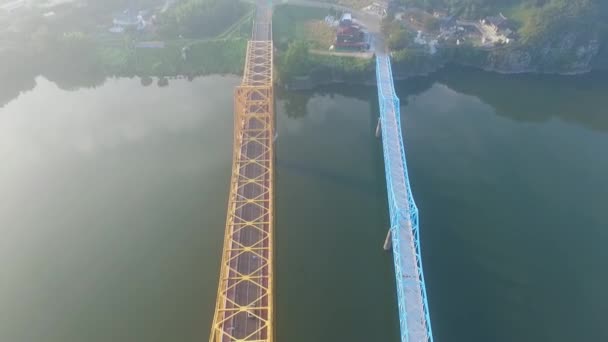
(396, 35)
(200, 18)
(240, 29)
(557, 16)
(293, 28)
(536, 19)
(292, 23)
(179, 57)
(297, 62)
(346, 69)
(86, 51)
(549, 35)
(320, 35)
(202, 57)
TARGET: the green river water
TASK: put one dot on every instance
(113, 204)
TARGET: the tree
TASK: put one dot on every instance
(396, 36)
(296, 61)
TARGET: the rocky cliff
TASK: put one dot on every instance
(569, 53)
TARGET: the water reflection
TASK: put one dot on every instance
(527, 98)
(112, 210)
(14, 81)
(93, 120)
(71, 77)
(295, 103)
(536, 98)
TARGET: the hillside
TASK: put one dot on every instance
(563, 36)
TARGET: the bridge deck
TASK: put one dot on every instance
(414, 318)
(244, 308)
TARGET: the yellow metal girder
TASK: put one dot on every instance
(245, 298)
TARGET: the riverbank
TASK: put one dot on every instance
(176, 58)
(84, 53)
(338, 70)
(548, 56)
(170, 41)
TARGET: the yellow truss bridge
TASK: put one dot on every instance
(244, 308)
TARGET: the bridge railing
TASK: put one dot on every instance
(414, 318)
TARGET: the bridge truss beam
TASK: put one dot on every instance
(414, 318)
(244, 307)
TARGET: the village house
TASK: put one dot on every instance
(499, 25)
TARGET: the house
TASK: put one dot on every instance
(381, 8)
(349, 35)
(496, 23)
(447, 23)
(346, 20)
(440, 13)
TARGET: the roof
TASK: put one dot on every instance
(348, 29)
(498, 21)
(447, 21)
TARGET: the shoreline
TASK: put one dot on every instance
(403, 77)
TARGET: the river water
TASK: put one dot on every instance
(113, 200)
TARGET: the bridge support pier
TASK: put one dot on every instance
(378, 129)
(388, 242)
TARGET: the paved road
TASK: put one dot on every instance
(253, 216)
(263, 17)
(356, 54)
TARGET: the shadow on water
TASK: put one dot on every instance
(365, 186)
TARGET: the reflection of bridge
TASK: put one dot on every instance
(414, 317)
(244, 308)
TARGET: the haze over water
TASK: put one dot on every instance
(113, 205)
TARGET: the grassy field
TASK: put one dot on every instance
(223, 54)
(346, 64)
(220, 57)
(320, 35)
(240, 29)
(202, 57)
(294, 23)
